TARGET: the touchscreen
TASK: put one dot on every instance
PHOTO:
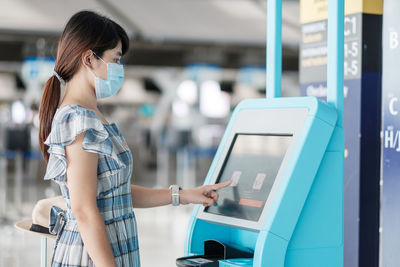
(252, 164)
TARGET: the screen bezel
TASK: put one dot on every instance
(285, 122)
(229, 154)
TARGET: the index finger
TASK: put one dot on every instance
(221, 185)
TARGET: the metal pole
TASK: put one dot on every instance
(274, 48)
(43, 252)
(3, 185)
(19, 165)
(335, 56)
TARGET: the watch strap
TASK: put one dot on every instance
(175, 194)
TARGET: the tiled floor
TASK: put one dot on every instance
(162, 234)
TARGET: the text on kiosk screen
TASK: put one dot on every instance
(252, 164)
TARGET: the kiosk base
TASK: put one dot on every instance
(236, 262)
(217, 254)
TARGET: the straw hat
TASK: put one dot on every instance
(39, 224)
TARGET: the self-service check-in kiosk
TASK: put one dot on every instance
(285, 159)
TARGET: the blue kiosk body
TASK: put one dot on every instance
(285, 157)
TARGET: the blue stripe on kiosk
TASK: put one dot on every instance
(285, 157)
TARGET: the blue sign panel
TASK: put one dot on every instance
(390, 205)
(362, 122)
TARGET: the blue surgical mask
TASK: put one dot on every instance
(111, 86)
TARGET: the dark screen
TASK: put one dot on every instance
(252, 164)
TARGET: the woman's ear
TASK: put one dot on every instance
(87, 59)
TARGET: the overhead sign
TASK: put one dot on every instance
(315, 10)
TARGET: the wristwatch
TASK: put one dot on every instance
(175, 194)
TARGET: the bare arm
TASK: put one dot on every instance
(143, 197)
(82, 185)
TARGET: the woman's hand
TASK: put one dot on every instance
(205, 194)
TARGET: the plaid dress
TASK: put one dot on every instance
(113, 187)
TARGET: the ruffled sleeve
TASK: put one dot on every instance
(66, 126)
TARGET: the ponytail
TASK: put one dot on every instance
(47, 109)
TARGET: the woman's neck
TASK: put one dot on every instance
(79, 91)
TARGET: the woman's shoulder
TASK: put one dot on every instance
(68, 110)
(68, 122)
(72, 119)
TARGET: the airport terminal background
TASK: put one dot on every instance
(190, 63)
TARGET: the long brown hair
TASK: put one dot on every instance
(85, 30)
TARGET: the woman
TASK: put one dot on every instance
(88, 157)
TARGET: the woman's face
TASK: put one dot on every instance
(109, 56)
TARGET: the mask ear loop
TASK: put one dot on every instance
(101, 60)
(98, 56)
(89, 68)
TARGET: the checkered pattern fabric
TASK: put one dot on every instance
(114, 195)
